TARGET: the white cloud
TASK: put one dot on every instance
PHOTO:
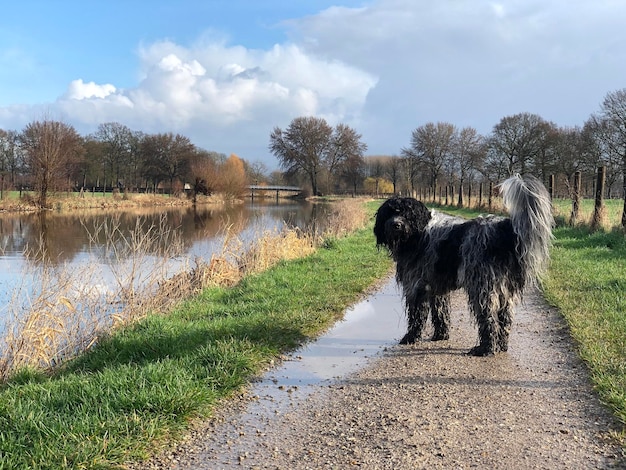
(472, 63)
(498, 9)
(79, 90)
(211, 85)
(384, 68)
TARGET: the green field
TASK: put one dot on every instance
(613, 211)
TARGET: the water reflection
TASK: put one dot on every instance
(31, 243)
(63, 237)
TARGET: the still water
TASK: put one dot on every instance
(97, 241)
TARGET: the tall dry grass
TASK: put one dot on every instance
(237, 259)
(59, 311)
(44, 319)
(62, 312)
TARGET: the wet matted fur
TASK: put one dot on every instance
(492, 258)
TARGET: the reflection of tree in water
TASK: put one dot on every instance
(38, 236)
(57, 238)
(311, 218)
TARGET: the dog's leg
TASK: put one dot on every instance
(505, 320)
(417, 312)
(484, 310)
(440, 310)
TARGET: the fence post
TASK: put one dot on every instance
(598, 210)
(575, 199)
(551, 184)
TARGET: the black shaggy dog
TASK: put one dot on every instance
(492, 258)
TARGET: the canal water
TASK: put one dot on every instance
(97, 242)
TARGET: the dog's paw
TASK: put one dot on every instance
(480, 351)
(440, 337)
(409, 338)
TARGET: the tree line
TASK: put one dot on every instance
(442, 155)
(49, 156)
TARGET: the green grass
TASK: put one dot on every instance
(587, 282)
(141, 387)
(562, 211)
(613, 211)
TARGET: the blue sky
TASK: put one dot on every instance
(224, 73)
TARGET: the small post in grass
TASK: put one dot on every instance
(575, 199)
(598, 209)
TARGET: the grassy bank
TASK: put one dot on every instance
(141, 387)
(587, 282)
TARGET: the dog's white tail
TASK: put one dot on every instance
(530, 208)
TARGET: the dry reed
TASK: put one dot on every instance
(69, 310)
(51, 318)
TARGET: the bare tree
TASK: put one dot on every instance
(302, 146)
(256, 172)
(135, 160)
(166, 156)
(394, 170)
(612, 126)
(345, 144)
(11, 157)
(310, 146)
(608, 154)
(468, 152)
(577, 150)
(543, 163)
(431, 148)
(203, 172)
(377, 171)
(117, 141)
(49, 146)
(516, 141)
(353, 171)
(411, 171)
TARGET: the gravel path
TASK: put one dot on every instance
(425, 406)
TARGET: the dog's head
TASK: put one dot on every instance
(398, 219)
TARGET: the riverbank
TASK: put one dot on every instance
(13, 202)
(140, 387)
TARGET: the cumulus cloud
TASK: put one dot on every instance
(79, 90)
(472, 63)
(384, 68)
(219, 86)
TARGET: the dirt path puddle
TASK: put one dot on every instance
(367, 328)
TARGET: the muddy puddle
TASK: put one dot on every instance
(366, 330)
